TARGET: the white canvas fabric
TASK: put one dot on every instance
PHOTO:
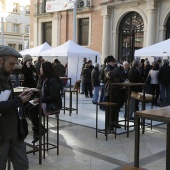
(36, 50)
(161, 49)
(75, 54)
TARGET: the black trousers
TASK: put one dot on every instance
(32, 113)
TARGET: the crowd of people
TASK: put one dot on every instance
(99, 78)
(95, 84)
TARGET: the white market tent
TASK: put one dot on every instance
(36, 50)
(161, 49)
(75, 54)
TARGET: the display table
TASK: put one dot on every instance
(159, 114)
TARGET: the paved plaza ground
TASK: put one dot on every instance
(80, 150)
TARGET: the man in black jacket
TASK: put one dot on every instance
(10, 145)
(164, 81)
(112, 75)
(135, 77)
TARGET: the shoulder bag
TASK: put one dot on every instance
(22, 125)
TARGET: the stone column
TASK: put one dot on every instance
(34, 43)
(55, 29)
(152, 24)
(106, 33)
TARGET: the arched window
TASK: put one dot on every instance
(168, 29)
(130, 35)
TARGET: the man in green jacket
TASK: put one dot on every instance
(10, 145)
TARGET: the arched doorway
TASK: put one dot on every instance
(168, 29)
(130, 35)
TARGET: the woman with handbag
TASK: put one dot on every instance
(49, 84)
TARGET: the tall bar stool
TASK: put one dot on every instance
(148, 99)
(107, 115)
(70, 108)
(46, 144)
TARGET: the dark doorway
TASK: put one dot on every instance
(130, 36)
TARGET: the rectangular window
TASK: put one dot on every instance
(16, 28)
(27, 29)
(16, 7)
(83, 31)
(27, 10)
(12, 45)
(20, 47)
(2, 5)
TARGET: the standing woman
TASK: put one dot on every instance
(155, 89)
(49, 84)
(29, 71)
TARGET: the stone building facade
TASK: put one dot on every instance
(14, 23)
(112, 27)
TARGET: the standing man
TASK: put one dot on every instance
(38, 64)
(135, 77)
(95, 82)
(112, 75)
(164, 81)
(102, 82)
(10, 145)
(81, 76)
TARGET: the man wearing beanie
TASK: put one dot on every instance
(10, 145)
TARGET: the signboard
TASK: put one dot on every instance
(59, 5)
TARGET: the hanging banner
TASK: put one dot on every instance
(59, 5)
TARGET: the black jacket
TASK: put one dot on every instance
(163, 75)
(29, 80)
(112, 75)
(102, 75)
(86, 73)
(95, 77)
(135, 77)
(52, 92)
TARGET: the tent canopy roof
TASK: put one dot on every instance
(158, 49)
(36, 50)
(70, 49)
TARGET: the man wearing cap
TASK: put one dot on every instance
(10, 145)
(112, 75)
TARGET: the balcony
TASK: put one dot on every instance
(81, 5)
(40, 9)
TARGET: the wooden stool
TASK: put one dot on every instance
(70, 108)
(46, 142)
(128, 167)
(107, 122)
(148, 99)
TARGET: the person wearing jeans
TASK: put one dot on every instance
(95, 83)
